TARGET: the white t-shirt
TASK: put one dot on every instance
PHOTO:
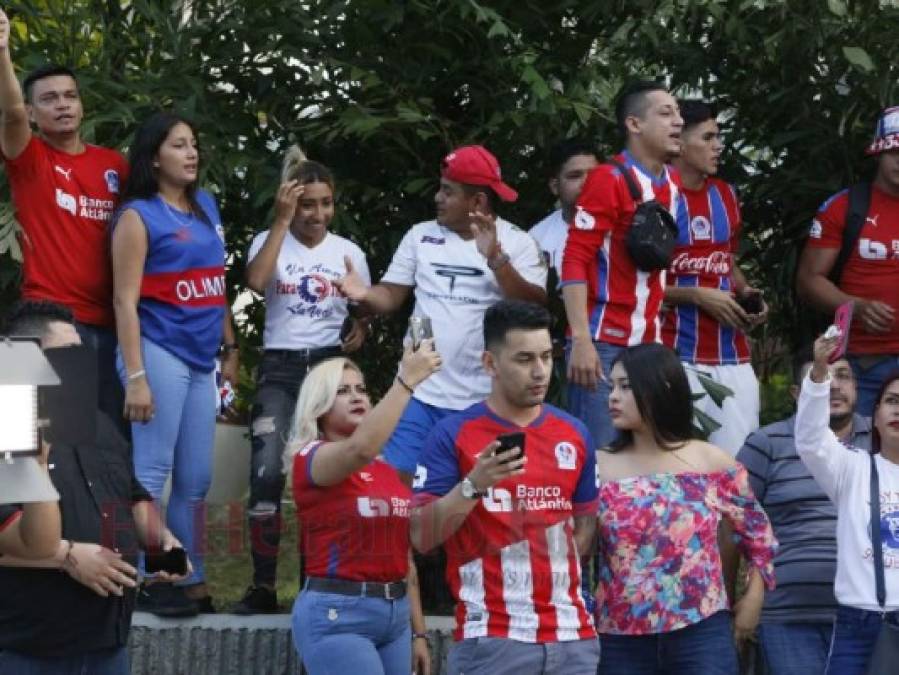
(845, 477)
(551, 233)
(454, 287)
(303, 309)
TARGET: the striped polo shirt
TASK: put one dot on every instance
(804, 522)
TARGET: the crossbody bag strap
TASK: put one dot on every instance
(633, 188)
(876, 543)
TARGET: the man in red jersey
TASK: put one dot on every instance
(706, 324)
(609, 302)
(512, 515)
(869, 276)
(64, 192)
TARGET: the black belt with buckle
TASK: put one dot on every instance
(307, 355)
(392, 590)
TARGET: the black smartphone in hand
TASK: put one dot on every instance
(508, 442)
(173, 561)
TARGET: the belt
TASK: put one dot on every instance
(315, 354)
(393, 590)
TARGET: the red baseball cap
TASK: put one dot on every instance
(475, 165)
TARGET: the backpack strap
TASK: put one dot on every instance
(856, 213)
(633, 188)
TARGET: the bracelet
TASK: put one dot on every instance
(403, 384)
(137, 375)
(420, 636)
(498, 260)
(229, 347)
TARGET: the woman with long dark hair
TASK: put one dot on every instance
(359, 610)
(295, 263)
(171, 311)
(661, 600)
(845, 474)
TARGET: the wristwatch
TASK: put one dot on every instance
(469, 491)
(498, 260)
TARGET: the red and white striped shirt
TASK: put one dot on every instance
(513, 566)
(623, 302)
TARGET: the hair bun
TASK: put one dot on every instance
(293, 159)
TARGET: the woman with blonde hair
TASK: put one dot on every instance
(353, 614)
(294, 264)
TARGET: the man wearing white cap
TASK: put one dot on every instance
(842, 263)
(457, 265)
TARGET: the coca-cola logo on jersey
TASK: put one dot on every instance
(717, 262)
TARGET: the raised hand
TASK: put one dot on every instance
(483, 228)
(351, 285)
(420, 364)
(4, 30)
(286, 200)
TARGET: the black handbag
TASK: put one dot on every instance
(652, 235)
(885, 656)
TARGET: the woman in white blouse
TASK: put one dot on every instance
(844, 473)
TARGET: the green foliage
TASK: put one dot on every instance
(380, 90)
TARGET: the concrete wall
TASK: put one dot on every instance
(227, 644)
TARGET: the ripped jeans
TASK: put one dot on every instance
(278, 382)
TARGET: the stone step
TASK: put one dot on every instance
(228, 644)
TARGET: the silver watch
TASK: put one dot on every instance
(469, 491)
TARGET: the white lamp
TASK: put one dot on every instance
(23, 368)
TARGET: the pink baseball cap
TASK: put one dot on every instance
(475, 165)
(886, 133)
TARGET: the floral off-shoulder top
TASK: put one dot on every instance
(660, 568)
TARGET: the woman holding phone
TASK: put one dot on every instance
(847, 476)
(294, 264)
(354, 612)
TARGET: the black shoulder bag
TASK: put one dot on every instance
(653, 233)
(856, 213)
(885, 656)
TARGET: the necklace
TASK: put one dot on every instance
(173, 214)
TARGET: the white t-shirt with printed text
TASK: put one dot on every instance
(303, 308)
(845, 477)
(454, 287)
(551, 233)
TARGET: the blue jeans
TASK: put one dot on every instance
(110, 395)
(705, 648)
(177, 442)
(101, 662)
(854, 634)
(278, 381)
(795, 648)
(870, 372)
(340, 634)
(592, 406)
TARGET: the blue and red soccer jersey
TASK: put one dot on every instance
(182, 294)
(513, 566)
(872, 268)
(356, 530)
(708, 223)
(623, 302)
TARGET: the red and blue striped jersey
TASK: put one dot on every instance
(182, 293)
(623, 302)
(512, 565)
(708, 223)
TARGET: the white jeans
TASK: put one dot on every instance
(738, 414)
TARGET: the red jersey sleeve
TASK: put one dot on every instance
(302, 470)
(830, 221)
(26, 164)
(597, 210)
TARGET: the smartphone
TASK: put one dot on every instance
(842, 319)
(509, 441)
(173, 561)
(420, 329)
(751, 302)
